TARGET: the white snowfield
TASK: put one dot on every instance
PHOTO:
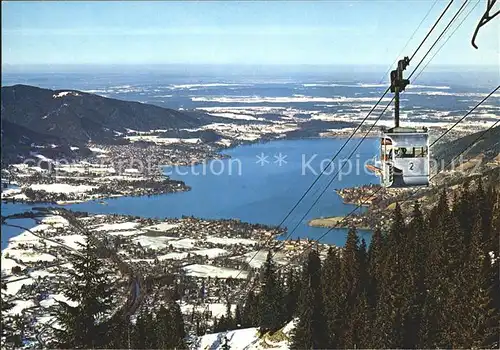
(257, 258)
(195, 86)
(246, 339)
(97, 150)
(161, 140)
(131, 171)
(234, 116)
(125, 233)
(72, 241)
(15, 286)
(211, 253)
(198, 270)
(55, 221)
(65, 93)
(19, 306)
(164, 226)
(173, 256)
(184, 243)
(123, 226)
(52, 299)
(230, 241)
(159, 242)
(62, 188)
(8, 264)
(11, 192)
(217, 309)
(285, 99)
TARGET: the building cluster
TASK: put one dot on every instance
(203, 264)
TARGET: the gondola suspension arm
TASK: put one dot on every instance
(484, 19)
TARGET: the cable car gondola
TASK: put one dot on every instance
(404, 151)
(404, 155)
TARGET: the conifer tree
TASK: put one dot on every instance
(291, 295)
(229, 317)
(331, 296)
(164, 329)
(303, 334)
(417, 252)
(392, 307)
(178, 326)
(88, 286)
(139, 334)
(311, 331)
(270, 298)
(375, 266)
(251, 311)
(350, 287)
(238, 320)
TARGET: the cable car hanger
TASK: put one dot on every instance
(485, 19)
(404, 151)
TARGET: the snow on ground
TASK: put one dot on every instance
(184, 243)
(217, 309)
(164, 226)
(198, 270)
(211, 253)
(41, 274)
(230, 241)
(72, 241)
(285, 99)
(19, 306)
(161, 140)
(247, 339)
(21, 197)
(41, 157)
(173, 256)
(14, 284)
(195, 86)
(65, 93)
(241, 339)
(10, 192)
(234, 116)
(27, 236)
(97, 150)
(224, 142)
(116, 227)
(8, 264)
(159, 242)
(55, 221)
(125, 233)
(83, 168)
(52, 299)
(150, 261)
(28, 255)
(258, 260)
(62, 188)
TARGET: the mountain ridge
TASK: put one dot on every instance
(32, 115)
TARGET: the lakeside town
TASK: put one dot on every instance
(150, 261)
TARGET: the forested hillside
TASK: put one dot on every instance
(431, 281)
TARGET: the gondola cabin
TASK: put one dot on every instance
(404, 155)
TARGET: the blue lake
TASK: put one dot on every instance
(243, 188)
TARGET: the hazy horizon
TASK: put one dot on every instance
(240, 32)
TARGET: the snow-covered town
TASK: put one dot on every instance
(158, 257)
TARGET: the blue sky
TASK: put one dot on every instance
(369, 32)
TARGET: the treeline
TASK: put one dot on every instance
(431, 281)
